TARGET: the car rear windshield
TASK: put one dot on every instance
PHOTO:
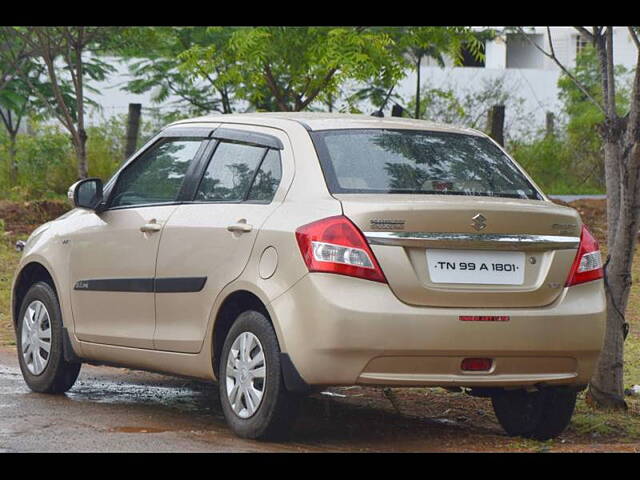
(420, 162)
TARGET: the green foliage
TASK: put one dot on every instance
(45, 165)
(290, 67)
(584, 144)
(552, 164)
(468, 106)
(46, 161)
(153, 61)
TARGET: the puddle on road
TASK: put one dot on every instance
(196, 397)
(9, 372)
(13, 384)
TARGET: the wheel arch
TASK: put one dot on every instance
(233, 305)
(31, 273)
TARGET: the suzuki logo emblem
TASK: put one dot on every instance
(479, 222)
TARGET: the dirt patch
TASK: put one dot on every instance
(23, 217)
(593, 213)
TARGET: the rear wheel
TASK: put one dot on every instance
(540, 415)
(254, 399)
(40, 343)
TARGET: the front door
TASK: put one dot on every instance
(113, 256)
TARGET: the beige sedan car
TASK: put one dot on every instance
(281, 253)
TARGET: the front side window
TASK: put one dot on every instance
(239, 172)
(418, 162)
(157, 176)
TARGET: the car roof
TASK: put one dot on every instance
(315, 121)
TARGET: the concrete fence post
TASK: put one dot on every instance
(495, 123)
(133, 129)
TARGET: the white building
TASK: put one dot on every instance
(524, 68)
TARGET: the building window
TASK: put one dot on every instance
(468, 60)
(521, 53)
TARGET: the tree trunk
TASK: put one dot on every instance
(133, 127)
(550, 125)
(13, 166)
(417, 115)
(606, 388)
(607, 385)
(495, 123)
(81, 154)
(621, 138)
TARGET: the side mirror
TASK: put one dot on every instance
(86, 193)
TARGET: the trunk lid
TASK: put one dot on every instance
(408, 231)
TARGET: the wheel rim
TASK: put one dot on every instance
(36, 337)
(246, 374)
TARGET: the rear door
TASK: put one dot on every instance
(208, 240)
(451, 219)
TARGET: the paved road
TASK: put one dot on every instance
(119, 410)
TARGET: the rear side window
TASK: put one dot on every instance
(157, 176)
(418, 162)
(267, 178)
(239, 172)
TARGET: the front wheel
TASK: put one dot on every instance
(540, 415)
(40, 343)
(254, 398)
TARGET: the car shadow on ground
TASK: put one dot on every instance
(337, 419)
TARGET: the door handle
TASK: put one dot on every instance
(241, 227)
(151, 227)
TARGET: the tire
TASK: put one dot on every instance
(539, 415)
(53, 374)
(277, 409)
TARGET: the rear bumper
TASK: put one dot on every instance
(339, 330)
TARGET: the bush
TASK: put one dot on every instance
(46, 159)
(45, 164)
(555, 167)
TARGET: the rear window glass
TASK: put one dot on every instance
(407, 161)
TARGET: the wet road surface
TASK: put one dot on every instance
(120, 410)
(115, 410)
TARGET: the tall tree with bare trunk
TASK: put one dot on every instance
(66, 54)
(620, 133)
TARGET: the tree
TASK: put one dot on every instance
(295, 66)
(15, 100)
(620, 135)
(584, 117)
(66, 53)
(153, 61)
(436, 42)
(13, 53)
(13, 96)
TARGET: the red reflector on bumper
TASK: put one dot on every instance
(484, 318)
(476, 364)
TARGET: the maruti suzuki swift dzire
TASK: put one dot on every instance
(280, 253)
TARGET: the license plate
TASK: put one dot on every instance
(476, 266)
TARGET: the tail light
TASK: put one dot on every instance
(476, 364)
(588, 263)
(336, 245)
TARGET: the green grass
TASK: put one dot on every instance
(8, 262)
